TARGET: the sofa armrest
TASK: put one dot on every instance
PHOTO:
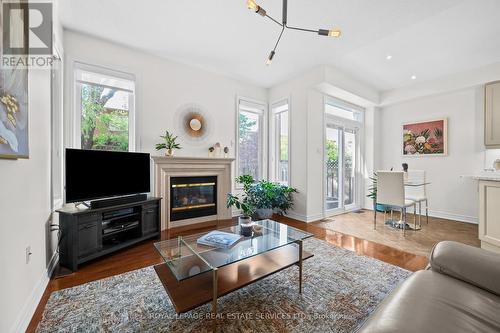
(467, 263)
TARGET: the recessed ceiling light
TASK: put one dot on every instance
(389, 57)
(413, 77)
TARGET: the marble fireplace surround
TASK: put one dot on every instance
(167, 167)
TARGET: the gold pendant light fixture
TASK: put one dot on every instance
(252, 5)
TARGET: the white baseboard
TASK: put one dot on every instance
(448, 216)
(456, 217)
(29, 307)
(52, 264)
(303, 217)
(293, 215)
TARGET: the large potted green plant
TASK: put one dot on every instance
(264, 196)
(269, 197)
(170, 143)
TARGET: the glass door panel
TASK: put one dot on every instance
(333, 161)
(282, 142)
(349, 169)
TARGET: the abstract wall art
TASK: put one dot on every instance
(14, 141)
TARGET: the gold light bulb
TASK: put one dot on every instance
(252, 5)
(334, 33)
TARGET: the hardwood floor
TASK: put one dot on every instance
(419, 242)
(144, 255)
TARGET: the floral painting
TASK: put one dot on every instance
(425, 138)
(13, 103)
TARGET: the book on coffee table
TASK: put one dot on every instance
(219, 239)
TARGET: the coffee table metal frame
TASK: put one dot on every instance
(281, 250)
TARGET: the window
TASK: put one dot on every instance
(250, 153)
(105, 109)
(281, 142)
(341, 109)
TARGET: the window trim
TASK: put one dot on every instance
(273, 138)
(76, 104)
(263, 130)
(57, 130)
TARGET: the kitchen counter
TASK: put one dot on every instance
(486, 175)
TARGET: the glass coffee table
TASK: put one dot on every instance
(195, 274)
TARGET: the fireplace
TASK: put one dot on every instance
(167, 168)
(192, 197)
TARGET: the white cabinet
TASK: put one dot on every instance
(489, 215)
(492, 115)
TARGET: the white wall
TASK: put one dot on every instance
(25, 213)
(162, 87)
(315, 154)
(450, 195)
(371, 157)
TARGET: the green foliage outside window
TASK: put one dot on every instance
(284, 148)
(245, 125)
(102, 128)
(331, 151)
(332, 154)
(248, 145)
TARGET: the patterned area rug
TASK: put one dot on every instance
(341, 289)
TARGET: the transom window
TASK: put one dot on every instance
(104, 107)
(338, 108)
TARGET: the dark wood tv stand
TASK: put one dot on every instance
(88, 233)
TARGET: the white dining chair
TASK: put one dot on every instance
(391, 193)
(418, 194)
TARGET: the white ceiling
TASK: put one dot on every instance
(426, 38)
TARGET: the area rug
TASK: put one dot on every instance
(341, 289)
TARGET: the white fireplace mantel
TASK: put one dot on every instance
(167, 167)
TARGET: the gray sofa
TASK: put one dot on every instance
(459, 292)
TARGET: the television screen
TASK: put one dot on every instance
(94, 174)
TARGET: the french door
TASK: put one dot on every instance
(341, 169)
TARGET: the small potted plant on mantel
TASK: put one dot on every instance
(170, 143)
(243, 203)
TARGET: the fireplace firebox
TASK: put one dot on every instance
(192, 197)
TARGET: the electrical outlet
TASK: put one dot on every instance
(28, 254)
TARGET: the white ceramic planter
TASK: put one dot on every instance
(264, 213)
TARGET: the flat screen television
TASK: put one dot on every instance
(97, 174)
